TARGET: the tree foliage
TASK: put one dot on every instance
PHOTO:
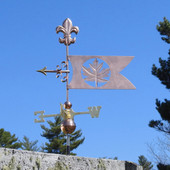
(8, 141)
(163, 74)
(163, 167)
(29, 145)
(164, 29)
(57, 140)
(145, 163)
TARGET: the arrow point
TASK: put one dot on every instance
(43, 71)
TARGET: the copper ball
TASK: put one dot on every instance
(68, 126)
(67, 105)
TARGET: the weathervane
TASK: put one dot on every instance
(89, 72)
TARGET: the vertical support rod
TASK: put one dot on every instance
(68, 144)
(67, 67)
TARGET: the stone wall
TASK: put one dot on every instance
(11, 159)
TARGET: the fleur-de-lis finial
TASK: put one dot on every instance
(67, 29)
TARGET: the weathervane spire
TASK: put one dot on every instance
(67, 29)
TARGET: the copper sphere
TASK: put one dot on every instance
(68, 126)
(67, 105)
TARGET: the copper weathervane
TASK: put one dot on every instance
(89, 72)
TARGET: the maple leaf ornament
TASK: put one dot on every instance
(96, 73)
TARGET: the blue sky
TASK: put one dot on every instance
(28, 42)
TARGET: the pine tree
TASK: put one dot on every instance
(29, 145)
(57, 140)
(163, 74)
(8, 141)
(145, 163)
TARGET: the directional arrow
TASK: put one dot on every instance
(57, 71)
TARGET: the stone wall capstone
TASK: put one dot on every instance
(11, 159)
